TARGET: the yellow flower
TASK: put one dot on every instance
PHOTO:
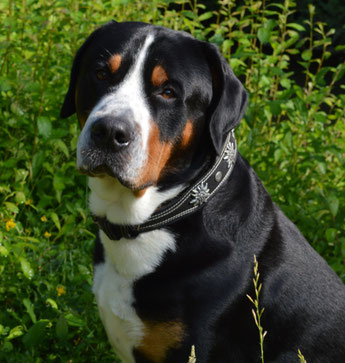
(44, 219)
(28, 202)
(61, 290)
(47, 234)
(10, 224)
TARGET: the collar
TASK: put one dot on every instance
(187, 203)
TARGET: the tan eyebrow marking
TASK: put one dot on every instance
(159, 76)
(115, 62)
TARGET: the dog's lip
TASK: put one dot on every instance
(101, 171)
(97, 171)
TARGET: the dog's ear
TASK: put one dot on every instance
(229, 97)
(69, 107)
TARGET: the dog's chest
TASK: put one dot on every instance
(125, 262)
(114, 294)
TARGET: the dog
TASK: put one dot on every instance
(182, 214)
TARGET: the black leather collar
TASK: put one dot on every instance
(188, 202)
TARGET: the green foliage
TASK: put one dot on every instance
(258, 311)
(293, 135)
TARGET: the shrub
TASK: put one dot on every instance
(293, 135)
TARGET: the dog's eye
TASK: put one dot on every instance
(168, 93)
(101, 75)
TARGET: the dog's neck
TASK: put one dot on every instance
(122, 222)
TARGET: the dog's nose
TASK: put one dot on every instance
(114, 133)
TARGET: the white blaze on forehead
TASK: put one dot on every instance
(127, 98)
(129, 95)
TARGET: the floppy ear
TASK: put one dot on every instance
(68, 107)
(229, 98)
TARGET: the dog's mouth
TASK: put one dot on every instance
(98, 171)
(103, 170)
(95, 162)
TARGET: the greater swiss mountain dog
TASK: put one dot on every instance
(182, 214)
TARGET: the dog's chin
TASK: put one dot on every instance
(102, 171)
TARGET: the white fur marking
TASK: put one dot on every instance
(126, 260)
(128, 97)
(112, 200)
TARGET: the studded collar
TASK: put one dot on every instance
(187, 203)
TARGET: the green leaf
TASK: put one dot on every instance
(15, 332)
(61, 328)
(30, 309)
(59, 144)
(264, 35)
(74, 320)
(278, 155)
(333, 203)
(59, 182)
(307, 55)
(20, 197)
(35, 334)
(7, 346)
(205, 16)
(26, 268)
(37, 162)
(52, 303)
(296, 26)
(339, 48)
(3, 251)
(56, 221)
(44, 127)
(17, 109)
(331, 233)
(285, 82)
(228, 43)
(217, 39)
(275, 107)
(189, 14)
(11, 207)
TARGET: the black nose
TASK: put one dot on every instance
(113, 133)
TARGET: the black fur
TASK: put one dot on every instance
(205, 282)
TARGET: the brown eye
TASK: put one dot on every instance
(101, 75)
(168, 93)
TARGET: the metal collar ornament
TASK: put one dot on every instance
(189, 202)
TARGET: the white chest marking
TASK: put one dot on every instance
(126, 261)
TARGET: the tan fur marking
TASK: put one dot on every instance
(158, 155)
(115, 62)
(159, 338)
(139, 193)
(159, 76)
(187, 134)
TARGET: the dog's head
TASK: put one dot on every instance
(148, 99)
